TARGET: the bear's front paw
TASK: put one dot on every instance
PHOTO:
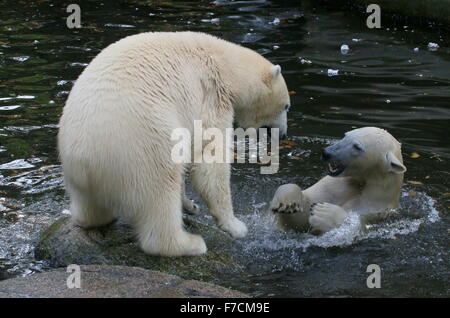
(179, 244)
(325, 217)
(287, 199)
(235, 227)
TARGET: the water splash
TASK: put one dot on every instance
(268, 244)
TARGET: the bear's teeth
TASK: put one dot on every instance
(331, 168)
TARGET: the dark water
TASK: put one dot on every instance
(381, 82)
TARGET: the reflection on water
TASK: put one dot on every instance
(388, 78)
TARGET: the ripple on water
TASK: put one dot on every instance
(40, 180)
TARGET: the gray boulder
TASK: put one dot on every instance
(104, 281)
(64, 243)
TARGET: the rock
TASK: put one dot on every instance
(104, 281)
(64, 243)
(4, 274)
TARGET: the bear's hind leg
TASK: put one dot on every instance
(160, 225)
(86, 213)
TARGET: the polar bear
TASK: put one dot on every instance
(365, 175)
(114, 135)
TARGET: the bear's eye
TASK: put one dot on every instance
(286, 107)
(357, 147)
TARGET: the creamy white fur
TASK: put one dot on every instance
(370, 186)
(114, 138)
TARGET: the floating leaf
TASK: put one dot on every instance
(415, 182)
(288, 143)
(292, 93)
(414, 155)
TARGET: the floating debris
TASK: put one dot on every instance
(433, 46)
(416, 49)
(413, 182)
(275, 21)
(304, 61)
(331, 72)
(78, 64)
(62, 82)
(20, 58)
(344, 49)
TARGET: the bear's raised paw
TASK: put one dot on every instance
(288, 199)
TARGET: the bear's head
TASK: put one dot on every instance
(364, 152)
(266, 101)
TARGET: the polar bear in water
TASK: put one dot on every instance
(365, 175)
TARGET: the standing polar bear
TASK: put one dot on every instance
(365, 176)
(115, 132)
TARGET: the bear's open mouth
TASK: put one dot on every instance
(335, 168)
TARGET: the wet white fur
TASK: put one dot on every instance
(114, 138)
(370, 186)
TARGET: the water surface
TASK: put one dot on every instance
(382, 82)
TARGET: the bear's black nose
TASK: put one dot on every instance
(325, 155)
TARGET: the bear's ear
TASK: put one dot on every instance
(276, 71)
(394, 165)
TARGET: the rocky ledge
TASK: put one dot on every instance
(105, 281)
(64, 243)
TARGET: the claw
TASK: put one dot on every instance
(285, 211)
(311, 209)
